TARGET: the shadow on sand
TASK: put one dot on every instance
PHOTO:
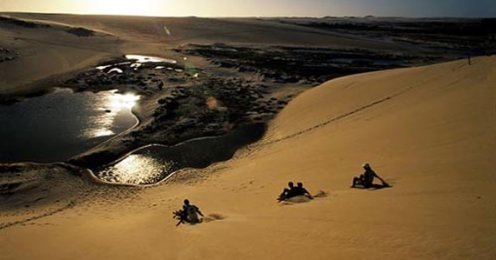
(304, 199)
(373, 187)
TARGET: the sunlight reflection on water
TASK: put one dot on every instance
(137, 169)
(151, 59)
(114, 107)
(153, 163)
(62, 124)
(135, 62)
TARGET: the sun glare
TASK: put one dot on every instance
(111, 105)
(119, 7)
(123, 101)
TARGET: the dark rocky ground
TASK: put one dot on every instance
(81, 32)
(7, 54)
(280, 64)
(18, 22)
(458, 36)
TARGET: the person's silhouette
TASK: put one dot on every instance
(367, 178)
(287, 192)
(190, 212)
(301, 191)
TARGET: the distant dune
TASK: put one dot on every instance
(182, 30)
(429, 131)
(52, 46)
(45, 51)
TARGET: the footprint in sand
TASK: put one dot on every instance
(29, 220)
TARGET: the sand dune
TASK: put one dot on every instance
(45, 52)
(429, 131)
(184, 30)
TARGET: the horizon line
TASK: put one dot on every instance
(248, 16)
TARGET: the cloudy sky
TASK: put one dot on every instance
(410, 8)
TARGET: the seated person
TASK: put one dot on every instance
(287, 192)
(301, 191)
(189, 214)
(367, 178)
(293, 191)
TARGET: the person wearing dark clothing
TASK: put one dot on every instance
(189, 213)
(292, 191)
(367, 178)
(287, 192)
(301, 191)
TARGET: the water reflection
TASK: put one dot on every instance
(137, 169)
(154, 163)
(135, 62)
(62, 124)
(122, 101)
(114, 108)
(101, 133)
(116, 70)
(103, 67)
(149, 59)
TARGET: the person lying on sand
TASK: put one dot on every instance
(188, 214)
(366, 180)
(293, 191)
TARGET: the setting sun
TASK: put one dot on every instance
(118, 7)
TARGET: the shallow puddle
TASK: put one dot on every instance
(135, 62)
(149, 59)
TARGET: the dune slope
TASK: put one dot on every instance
(429, 131)
(45, 51)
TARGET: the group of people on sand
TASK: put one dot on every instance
(190, 213)
(293, 191)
